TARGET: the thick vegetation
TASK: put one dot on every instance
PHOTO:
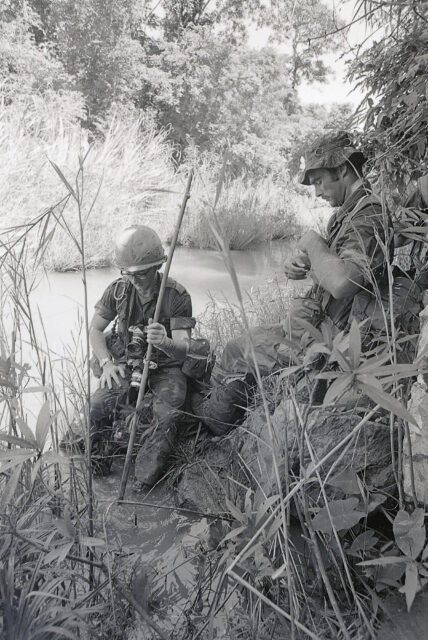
(86, 87)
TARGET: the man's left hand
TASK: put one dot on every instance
(156, 333)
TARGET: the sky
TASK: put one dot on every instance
(336, 89)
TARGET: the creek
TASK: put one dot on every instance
(59, 296)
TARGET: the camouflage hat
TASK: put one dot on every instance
(328, 152)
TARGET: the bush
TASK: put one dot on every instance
(248, 213)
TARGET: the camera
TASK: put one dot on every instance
(136, 351)
(137, 345)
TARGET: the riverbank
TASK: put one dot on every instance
(58, 180)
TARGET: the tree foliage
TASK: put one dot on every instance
(393, 74)
(184, 62)
(210, 91)
(24, 67)
(312, 30)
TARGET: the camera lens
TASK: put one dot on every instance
(136, 378)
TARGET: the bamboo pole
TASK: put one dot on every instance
(145, 374)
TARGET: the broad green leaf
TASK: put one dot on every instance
(86, 541)
(26, 431)
(374, 363)
(385, 560)
(288, 371)
(313, 331)
(368, 379)
(5, 466)
(44, 421)
(337, 356)
(328, 375)
(354, 344)
(35, 469)
(364, 542)
(411, 584)
(58, 554)
(235, 512)
(344, 515)
(38, 389)
(375, 500)
(347, 480)
(20, 442)
(340, 385)
(233, 534)
(388, 402)
(409, 532)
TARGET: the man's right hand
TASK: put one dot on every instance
(298, 268)
(111, 372)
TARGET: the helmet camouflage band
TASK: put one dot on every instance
(138, 247)
(329, 152)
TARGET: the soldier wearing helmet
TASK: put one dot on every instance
(345, 266)
(129, 302)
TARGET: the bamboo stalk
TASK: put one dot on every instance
(145, 374)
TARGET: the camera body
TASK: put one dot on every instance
(136, 352)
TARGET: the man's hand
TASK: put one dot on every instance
(156, 333)
(111, 373)
(298, 268)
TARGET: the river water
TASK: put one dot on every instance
(59, 296)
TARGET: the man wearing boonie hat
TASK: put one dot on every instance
(130, 303)
(349, 262)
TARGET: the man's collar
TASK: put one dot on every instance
(356, 185)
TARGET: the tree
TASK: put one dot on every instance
(95, 42)
(210, 91)
(310, 29)
(25, 68)
(393, 73)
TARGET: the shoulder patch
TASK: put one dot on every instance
(173, 284)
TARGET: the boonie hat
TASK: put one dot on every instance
(329, 152)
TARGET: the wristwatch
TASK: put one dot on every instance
(104, 361)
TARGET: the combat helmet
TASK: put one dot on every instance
(329, 152)
(138, 247)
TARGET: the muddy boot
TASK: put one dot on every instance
(225, 407)
(152, 459)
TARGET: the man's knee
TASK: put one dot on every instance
(169, 395)
(104, 402)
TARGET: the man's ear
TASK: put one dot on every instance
(342, 170)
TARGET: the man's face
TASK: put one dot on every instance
(329, 185)
(143, 280)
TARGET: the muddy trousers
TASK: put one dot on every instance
(234, 381)
(168, 387)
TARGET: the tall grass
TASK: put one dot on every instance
(129, 167)
(131, 170)
(248, 213)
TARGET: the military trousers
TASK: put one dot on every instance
(168, 386)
